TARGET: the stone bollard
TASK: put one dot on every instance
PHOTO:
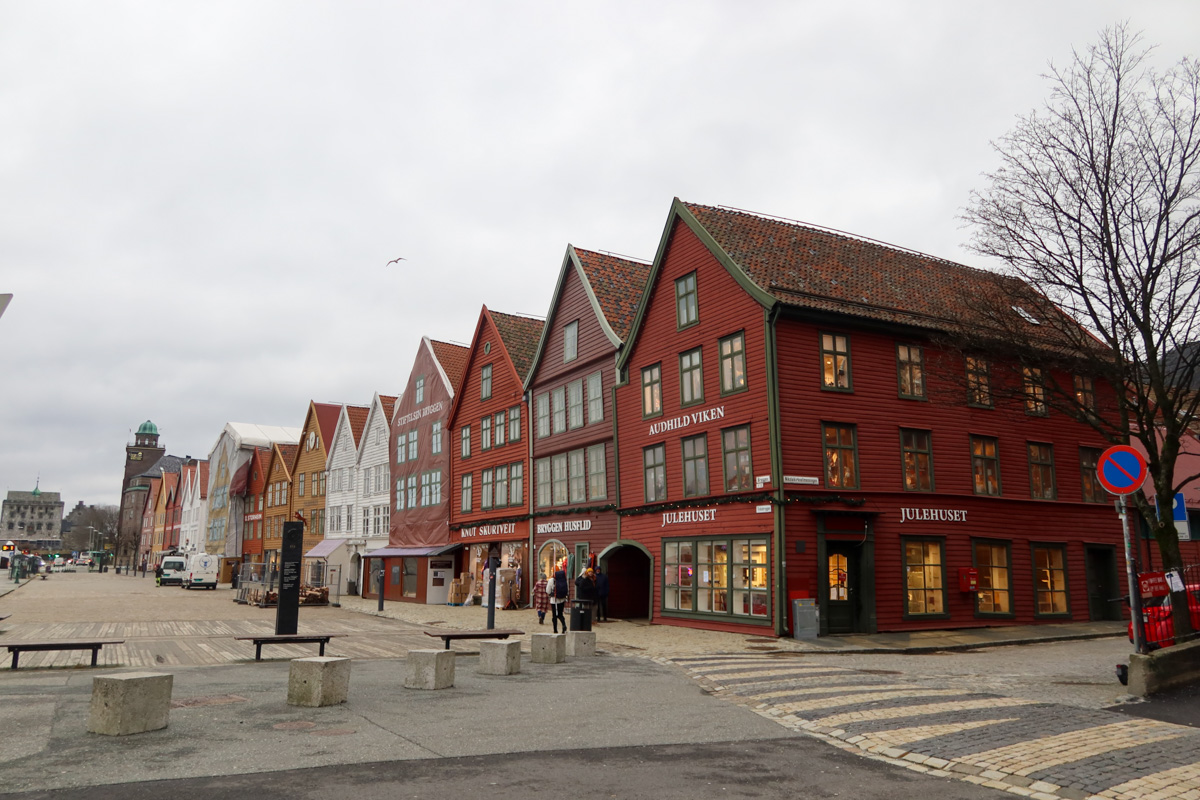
(581, 643)
(548, 648)
(429, 669)
(497, 657)
(133, 702)
(318, 681)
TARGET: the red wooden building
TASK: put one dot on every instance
(788, 427)
(489, 456)
(574, 474)
(252, 515)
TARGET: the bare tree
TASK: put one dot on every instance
(97, 528)
(1096, 206)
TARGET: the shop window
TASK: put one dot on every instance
(924, 577)
(1035, 391)
(409, 586)
(597, 472)
(691, 378)
(559, 402)
(543, 415)
(835, 363)
(985, 465)
(695, 466)
(652, 391)
(916, 448)
(726, 577)
(732, 351)
(994, 588)
(551, 558)
(1050, 581)
(735, 452)
(595, 397)
(1089, 458)
(1041, 471)
(841, 457)
(575, 404)
(687, 311)
(570, 341)
(655, 473)
(1085, 392)
(979, 382)
(910, 370)
(485, 382)
(464, 437)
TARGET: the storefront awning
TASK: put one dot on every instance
(386, 552)
(324, 548)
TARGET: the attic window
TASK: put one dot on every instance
(1025, 315)
(487, 348)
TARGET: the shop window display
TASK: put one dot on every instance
(716, 576)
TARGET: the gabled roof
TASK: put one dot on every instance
(453, 360)
(286, 453)
(357, 417)
(617, 284)
(164, 464)
(389, 405)
(327, 417)
(204, 480)
(520, 336)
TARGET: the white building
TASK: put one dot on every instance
(193, 522)
(341, 467)
(372, 495)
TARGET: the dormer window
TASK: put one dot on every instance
(1025, 315)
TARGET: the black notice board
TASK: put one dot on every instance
(291, 556)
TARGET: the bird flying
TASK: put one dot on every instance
(394, 260)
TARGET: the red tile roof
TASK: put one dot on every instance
(287, 455)
(389, 405)
(327, 417)
(358, 421)
(520, 336)
(453, 358)
(204, 479)
(618, 284)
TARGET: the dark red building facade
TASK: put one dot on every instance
(790, 427)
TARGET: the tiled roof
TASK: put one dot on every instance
(358, 420)
(520, 336)
(828, 271)
(287, 454)
(327, 417)
(164, 464)
(618, 284)
(204, 479)
(453, 358)
(389, 405)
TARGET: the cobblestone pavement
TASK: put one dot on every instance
(1035, 749)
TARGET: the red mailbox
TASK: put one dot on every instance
(968, 579)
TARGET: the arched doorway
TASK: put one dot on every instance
(629, 569)
(353, 580)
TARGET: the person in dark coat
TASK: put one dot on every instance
(601, 596)
(558, 591)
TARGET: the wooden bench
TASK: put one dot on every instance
(16, 648)
(447, 636)
(287, 638)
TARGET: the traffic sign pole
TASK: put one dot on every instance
(1121, 470)
(1135, 591)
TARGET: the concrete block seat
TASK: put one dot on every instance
(429, 669)
(132, 702)
(548, 648)
(318, 681)
(498, 657)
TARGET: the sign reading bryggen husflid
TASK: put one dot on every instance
(788, 427)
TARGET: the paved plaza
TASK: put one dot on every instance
(1026, 720)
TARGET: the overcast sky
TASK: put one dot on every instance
(198, 201)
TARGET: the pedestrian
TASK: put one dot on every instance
(601, 596)
(541, 599)
(558, 600)
(585, 591)
(233, 576)
(158, 574)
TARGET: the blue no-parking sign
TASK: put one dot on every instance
(1121, 469)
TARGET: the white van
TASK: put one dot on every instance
(201, 572)
(174, 568)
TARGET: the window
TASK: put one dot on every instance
(366, 519)
(366, 484)
(910, 368)
(500, 481)
(1041, 471)
(559, 403)
(412, 445)
(501, 426)
(485, 500)
(542, 476)
(985, 464)
(514, 424)
(408, 585)
(725, 577)
(323, 474)
(735, 448)
(595, 397)
(464, 436)
(575, 404)
(654, 460)
(1035, 391)
(979, 382)
(436, 497)
(1050, 580)
(685, 301)
(420, 390)
(733, 363)
(1089, 458)
(300, 485)
(924, 577)
(1085, 392)
(399, 502)
(485, 382)
(994, 593)
(695, 466)
(465, 503)
(691, 378)
(597, 473)
(436, 446)
(917, 451)
(543, 415)
(559, 480)
(412, 491)
(841, 459)
(576, 476)
(570, 341)
(835, 362)
(516, 483)
(652, 391)
(485, 433)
